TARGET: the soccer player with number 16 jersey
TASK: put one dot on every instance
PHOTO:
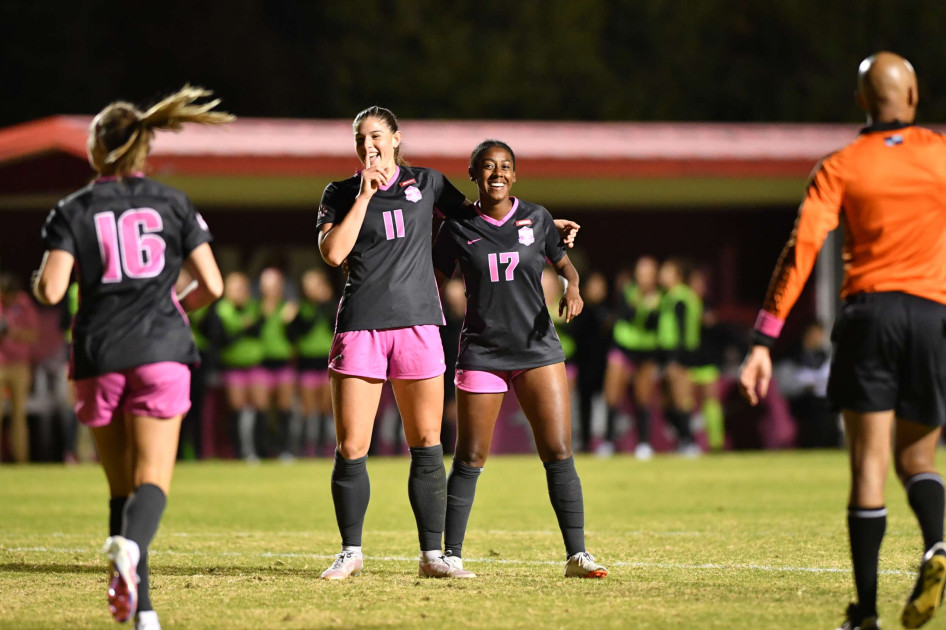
(128, 236)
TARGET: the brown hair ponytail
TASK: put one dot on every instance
(120, 136)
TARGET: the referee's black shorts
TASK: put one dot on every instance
(890, 353)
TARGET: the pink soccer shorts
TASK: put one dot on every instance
(411, 353)
(485, 382)
(156, 390)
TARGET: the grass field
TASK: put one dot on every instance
(735, 541)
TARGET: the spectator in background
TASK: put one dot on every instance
(678, 337)
(592, 335)
(311, 332)
(634, 356)
(453, 299)
(18, 332)
(803, 380)
(241, 354)
(279, 375)
(707, 361)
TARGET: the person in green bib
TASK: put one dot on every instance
(241, 356)
(632, 360)
(678, 338)
(311, 332)
(278, 353)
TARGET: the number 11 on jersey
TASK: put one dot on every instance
(510, 259)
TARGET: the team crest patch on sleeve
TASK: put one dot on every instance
(526, 237)
(413, 194)
(524, 222)
(203, 224)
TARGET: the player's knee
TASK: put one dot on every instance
(557, 452)
(353, 449)
(908, 465)
(472, 456)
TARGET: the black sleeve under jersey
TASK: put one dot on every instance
(449, 200)
(194, 230)
(57, 233)
(555, 249)
(445, 251)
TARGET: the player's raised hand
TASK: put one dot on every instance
(567, 230)
(755, 374)
(571, 304)
(372, 178)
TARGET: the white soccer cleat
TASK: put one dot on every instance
(443, 567)
(605, 449)
(583, 565)
(147, 620)
(643, 451)
(123, 586)
(347, 563)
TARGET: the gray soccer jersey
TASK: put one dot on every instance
(129, 237)
(390, 279)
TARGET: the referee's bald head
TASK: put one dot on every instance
(887, 88)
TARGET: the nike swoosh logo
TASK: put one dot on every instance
(473, 241)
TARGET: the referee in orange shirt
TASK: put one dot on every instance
(888, 371)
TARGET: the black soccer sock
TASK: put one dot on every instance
(680, 420)
(142, 515)
(116, 515)
(610, 428)
(565, 494)
(144, 583)
(461, 488)
(351, 490)
(926, 496)
(285, 431)
(866, 527)
(642, 418)
(427, 490)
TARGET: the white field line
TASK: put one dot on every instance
(641, 565)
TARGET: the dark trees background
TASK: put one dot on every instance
(713, 60)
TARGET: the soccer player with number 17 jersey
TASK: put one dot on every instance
(128, 237)
(508, 339)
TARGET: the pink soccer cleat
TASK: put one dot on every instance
(123, 588)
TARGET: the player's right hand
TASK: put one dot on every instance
(755, 374)
(372, 178)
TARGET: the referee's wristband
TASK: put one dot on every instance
(761, 339)
(767, 329)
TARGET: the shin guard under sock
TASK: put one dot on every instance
(427, 490)
(926, 496)
(866, 527)
(461, 488)
(351, 490)
(565, 494)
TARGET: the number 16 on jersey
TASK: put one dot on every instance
(510, 259)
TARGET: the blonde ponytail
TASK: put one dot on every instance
(120, 137)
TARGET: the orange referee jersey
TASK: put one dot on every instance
(888, 187)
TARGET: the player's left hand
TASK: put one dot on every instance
(571, 304)
(755, 374)
(567, 230)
